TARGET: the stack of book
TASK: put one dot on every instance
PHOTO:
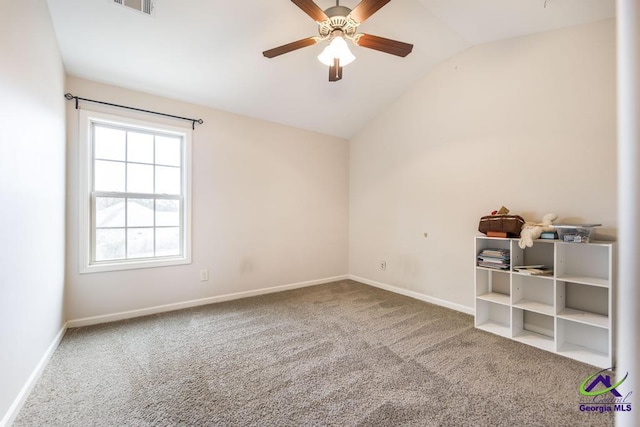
(494, 258)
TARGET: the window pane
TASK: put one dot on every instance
(167, 180)
(139, 242)
(139, 178)
(109, 244)
(140, 213)
(109, 143)
(135, 200)
(167, 212)
(167, 241)
(109, 212)
(139, 147)
(168, 150)
(109, 176)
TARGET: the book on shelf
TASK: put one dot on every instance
(495, 252)
(549, 235)
(497, 234)
(492, 260)
(493, 265)
(534, 270)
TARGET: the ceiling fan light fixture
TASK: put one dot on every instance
(337, 49)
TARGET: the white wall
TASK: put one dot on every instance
(270, 208)
(32, 192)
(528, 123)
(627, 292)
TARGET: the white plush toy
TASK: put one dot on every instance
(532, 230)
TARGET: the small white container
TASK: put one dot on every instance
(575, 233)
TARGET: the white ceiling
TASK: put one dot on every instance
(209, 52)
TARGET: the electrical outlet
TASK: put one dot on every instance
(383, 265)
(204, 275)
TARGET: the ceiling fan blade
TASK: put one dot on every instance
(384, 45)
(271, 53)
(335, 71)
(311, 9)
(366, 8)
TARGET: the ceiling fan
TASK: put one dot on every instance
(336, 24)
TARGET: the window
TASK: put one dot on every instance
(134, 193)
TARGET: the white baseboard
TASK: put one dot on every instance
(416, 295)
(94, 320)
(17, 404)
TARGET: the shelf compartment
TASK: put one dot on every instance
(482, 243)
(489, 282)
(583, 263)
(494, 318)
(584, 342)
(542, 252)
(534, 329)
(534, 294)
(583, 303)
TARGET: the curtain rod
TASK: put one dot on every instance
(69, 97)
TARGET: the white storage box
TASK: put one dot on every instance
(575, 233)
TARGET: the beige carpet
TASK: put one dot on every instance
(337, 354)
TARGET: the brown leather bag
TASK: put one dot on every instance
(510, 224)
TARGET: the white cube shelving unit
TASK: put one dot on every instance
(569, 313)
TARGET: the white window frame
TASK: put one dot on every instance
(86, 227)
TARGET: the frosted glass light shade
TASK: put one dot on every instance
(337, 49)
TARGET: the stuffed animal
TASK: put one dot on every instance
(532, 230)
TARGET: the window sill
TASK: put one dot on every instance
(133, 265)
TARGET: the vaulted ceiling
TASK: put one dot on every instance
(209, 52)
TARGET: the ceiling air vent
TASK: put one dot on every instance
(144, 6)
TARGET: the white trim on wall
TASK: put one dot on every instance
(94, 320)
(416, 295)
(21, 398)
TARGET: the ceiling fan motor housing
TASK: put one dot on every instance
(339, 19)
